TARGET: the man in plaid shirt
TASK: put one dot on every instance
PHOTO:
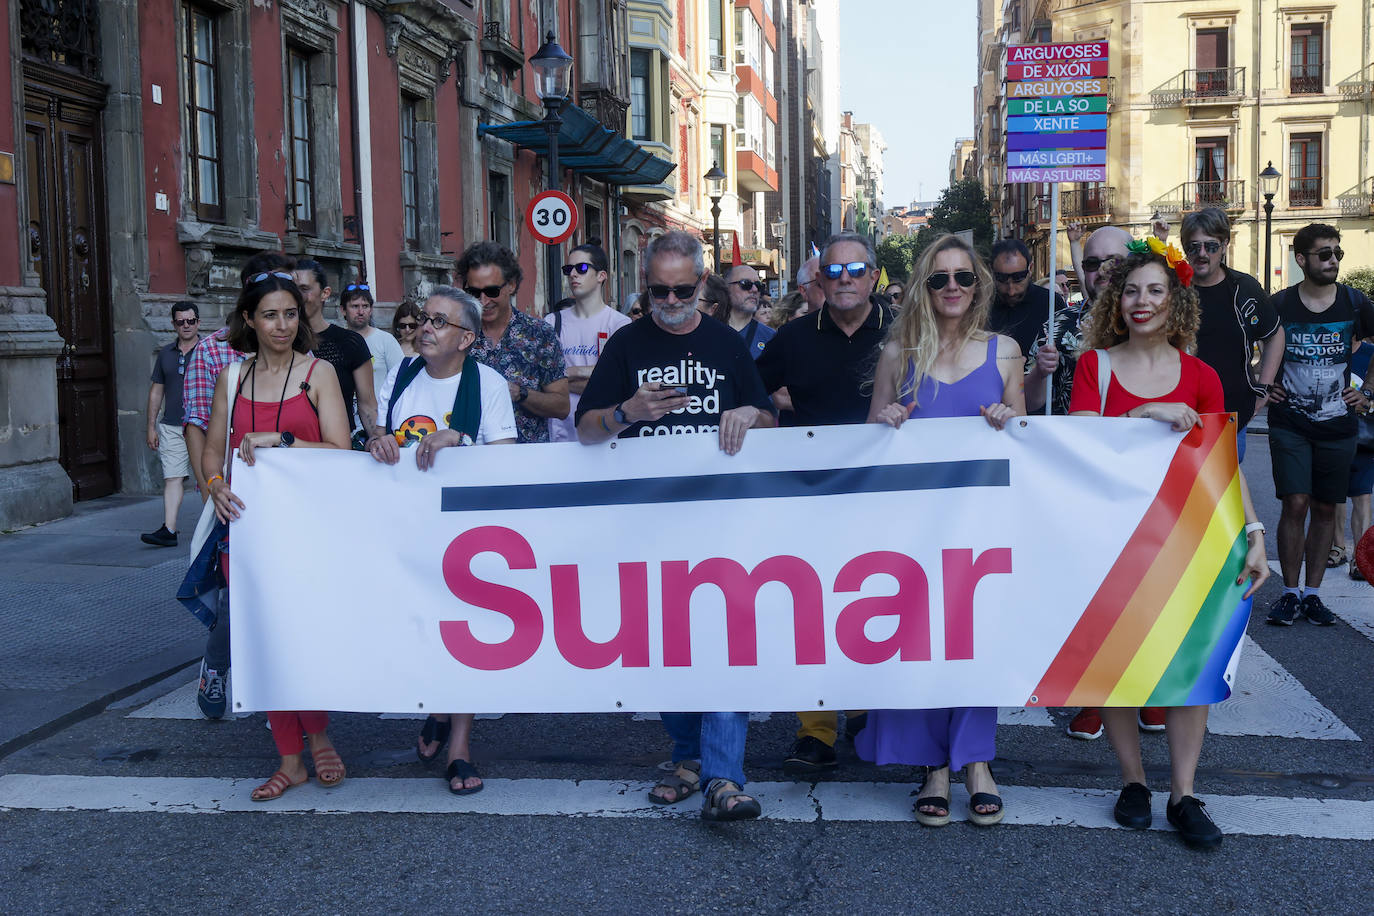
(210, 358)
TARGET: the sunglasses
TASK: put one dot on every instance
(477, 292)
(1208, 246)
(353, 286)
(185, 322)
(1093, 265)
(181, 364)
(636, 312)
(855, 269)
(439, 321)
(1326, 254)
(279, 274)
(964, 278)
(747, 285)
(406, 325)
(683, 293)
(582, 268)
(1011, 278)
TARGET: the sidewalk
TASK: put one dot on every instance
(87, 612)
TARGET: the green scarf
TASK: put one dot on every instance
(466, 416)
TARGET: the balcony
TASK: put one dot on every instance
(1304, 192)
(1192, 196)
(1088, 205)
(1358, 201)
(1201, 87)
(1358, 87)
(1306, 79)
(753, 172)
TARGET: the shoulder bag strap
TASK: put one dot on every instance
(1104, 378)
(232, 394)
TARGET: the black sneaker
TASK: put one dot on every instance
(1317, 612)
(1284, 611)
(808, 757)
(160, 538)
(1133, 807)
(855, 724)
(1192, 823)
(210, 695)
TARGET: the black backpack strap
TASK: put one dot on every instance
(403, 380)
(558, 323)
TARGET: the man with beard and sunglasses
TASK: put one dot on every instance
(1313, 417)
(1236, 314)
(522, 348)
(1020, 308)
(746, 291)
(583, 328)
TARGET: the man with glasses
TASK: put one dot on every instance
(165, 436)
(355, 308)
(745, 290)
(677, 372)
(1236, 314)
(1020, 308)
(1313, 417)
(582, 328)
(522, 348)
(822, 362)
(440, 400)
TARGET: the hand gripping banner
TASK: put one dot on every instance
(1062, 561)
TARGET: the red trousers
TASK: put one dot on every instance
(290, 728)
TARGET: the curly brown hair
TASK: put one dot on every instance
(1105, 327)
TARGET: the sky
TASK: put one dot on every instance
(908, 66)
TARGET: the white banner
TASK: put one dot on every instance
(942, 564)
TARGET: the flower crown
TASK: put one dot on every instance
(1171, 255)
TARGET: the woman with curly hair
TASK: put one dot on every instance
(1142, 327)
(940, 361)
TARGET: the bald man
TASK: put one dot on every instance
(1103, 247)
(746, 289)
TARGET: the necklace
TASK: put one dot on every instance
(253, 393)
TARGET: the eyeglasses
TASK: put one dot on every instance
(1093, 265)
(354, 286)
(406, 325)
(1209, 246)
(439, 321)
(683, 293)
(1326, 254)
(747, 285)
(964, 278)
(582, 268)
(1016, 277)
(477, 292)
(184, 322)
(279, 274)
(855, 269)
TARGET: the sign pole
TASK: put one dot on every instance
(1054, 266)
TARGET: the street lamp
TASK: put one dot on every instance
(1269, 183)
(779, 228)
(553, 81)
(715, 189)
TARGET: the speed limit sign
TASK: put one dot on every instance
(551, 217)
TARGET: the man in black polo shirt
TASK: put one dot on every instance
(1020, 308)
(823, 361)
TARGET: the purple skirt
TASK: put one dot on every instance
(929, 737)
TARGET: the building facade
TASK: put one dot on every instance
(1196, 112)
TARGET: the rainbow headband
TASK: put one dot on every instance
(1171, 255)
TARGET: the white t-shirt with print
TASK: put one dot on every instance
(582, 340)
(426, 403)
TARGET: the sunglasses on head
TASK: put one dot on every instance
(683, 293)
(964, 278)
(1209, 246)
(1093, 265)
(356, 286)
(855, 269)
(279, 274)
(439, 322)
(582, 268)
(1326, 254)
(184, 322)
(1016, 277)
(747, 285)
(477, 292)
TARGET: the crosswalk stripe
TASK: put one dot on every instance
(1252, 815)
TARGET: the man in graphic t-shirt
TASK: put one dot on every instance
(1313, 416)
(675, 373)
(582, 328)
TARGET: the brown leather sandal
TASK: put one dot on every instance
(684, 782)
(275, 787)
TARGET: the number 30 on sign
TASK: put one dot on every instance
(551, 217)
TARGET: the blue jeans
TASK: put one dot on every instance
(716, 738)
(1240, 444)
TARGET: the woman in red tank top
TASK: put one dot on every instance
(1147, 320)
(280, 401)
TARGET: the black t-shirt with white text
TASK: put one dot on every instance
(345, 350)
(1316, 362)
(711, 362)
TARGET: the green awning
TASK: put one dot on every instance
(585, 145)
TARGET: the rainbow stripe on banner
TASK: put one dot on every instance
(1168, 618)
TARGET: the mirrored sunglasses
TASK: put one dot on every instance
(1210, 246)
(582, 268)
(855, 269)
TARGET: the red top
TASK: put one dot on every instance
(1198, 387)
(298, 415)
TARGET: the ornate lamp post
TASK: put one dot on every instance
(1269, 183)
(553, 81)
(779, 228)
(715, 189)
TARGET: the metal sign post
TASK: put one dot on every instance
(1054, 265)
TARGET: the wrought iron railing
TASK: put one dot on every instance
(1306, 79)
(1193, 87)
(1359, 200)
(1304, 192)
(1359, 86)
(1087, 203)
(1199, 195)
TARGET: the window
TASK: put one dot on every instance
(1305, 170)
(201, 128)
(641, 94)
(410, 181)
(1306, 60)
(298, 146)
(548, 18)
(718, 145)
(1209, 161)
(498, 208)
(768, 70)
(592, 229)
(1213, 61)
(716, 34)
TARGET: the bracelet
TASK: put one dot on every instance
(1253, 527)
(219, 477)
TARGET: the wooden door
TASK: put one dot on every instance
(62, 113)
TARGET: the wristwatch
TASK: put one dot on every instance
(619, 414)
(287, 440)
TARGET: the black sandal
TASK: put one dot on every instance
(682, 787)
(986, 800)
(925, 818)
(718, 808)
(462, 769)
(433, 730)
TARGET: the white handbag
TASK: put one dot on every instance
(206, 524)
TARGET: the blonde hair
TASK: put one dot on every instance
(915, 331)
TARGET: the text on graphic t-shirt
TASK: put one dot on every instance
(1316, 362)
(582, 340)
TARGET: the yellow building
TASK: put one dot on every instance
(1204, 94)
